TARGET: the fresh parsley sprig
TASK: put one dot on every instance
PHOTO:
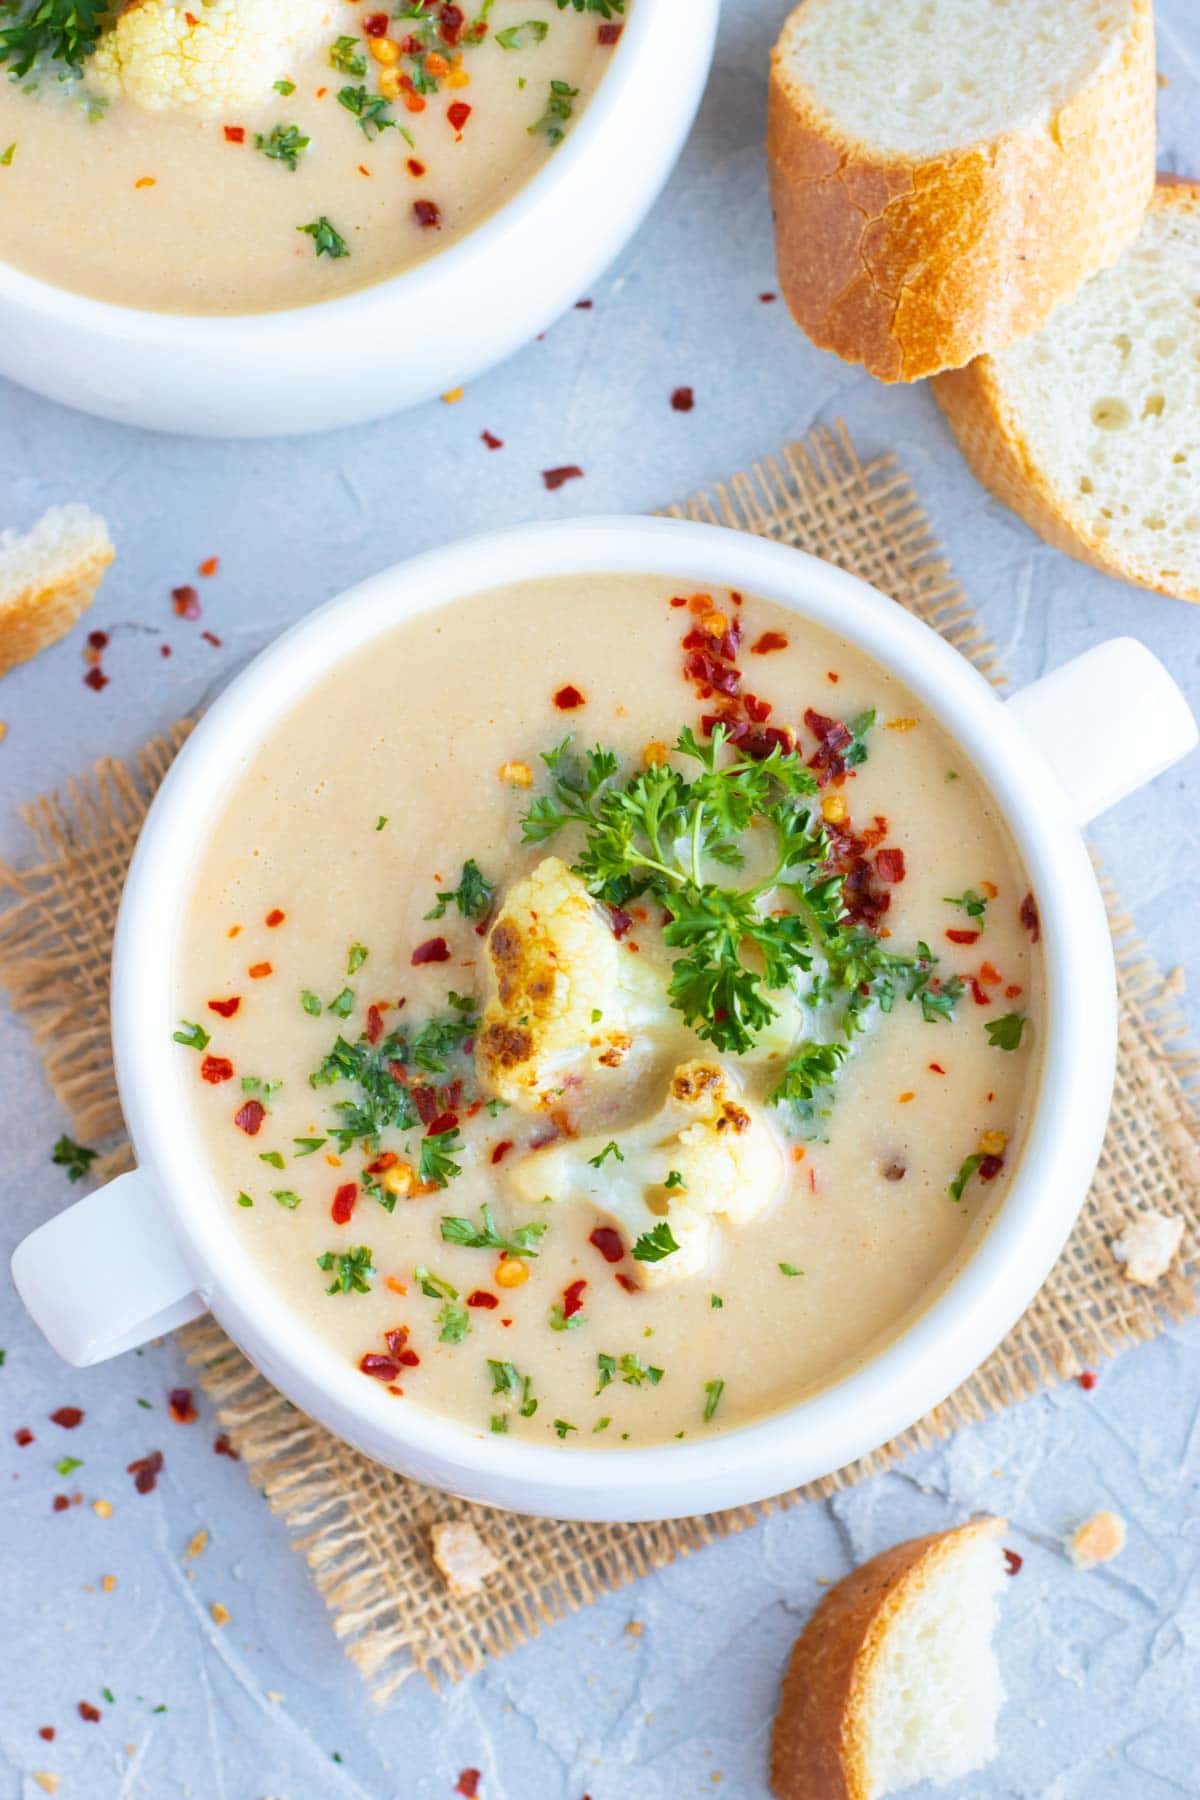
(486, 1236)
(51, 31)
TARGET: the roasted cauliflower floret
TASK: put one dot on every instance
(202, 56)
(705, 1155)
(565, 996)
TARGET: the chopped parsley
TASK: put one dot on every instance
(554, 119)
(561, 1427)
(437, 1157)
(632, 1370)
(68, 1464)
(508, 1380)
(383, 1099)
(712, 1398)
(516, 37)
(855, 752)
(51, 31)
(716, 1302)
(75, 1158)
(973, 904)
(1005, 1033)
(193, 1037)
(287, 1199)
(244, 1199)
(284, 143)
(284, 86)
(789, 1269)
(373, 111)
(342, 1005)
(452, 1317)
(559, 1321)
(612, 1148)
(351, 1269)
(326, 240)
(381, 821)
(472, 896)
(311, 1003)
(958, 1185)
(271, 1156)
(308, 1145)
(6, 158)
(440, 1038)
(674, 1179)
(653, 1245)
(607, 9)
(355, 958)
(523, 1241)
(344, 56)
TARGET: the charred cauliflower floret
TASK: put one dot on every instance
(705, 1155)
(565, 996)
(202, 56)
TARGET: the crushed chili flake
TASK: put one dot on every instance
(990, 1167)
(388, 1160)
(249, 1117)
(988, 974)
(98, 640)
(96, 679)
(501, 1150)
(627, 1282)
(187, 602)
(957, 936)
(1013, 1561)
(568, 698)
(375, 24)
(555, 478)
(223, 1447)
(164, 649)
(181, 1406)
(610, 33)
(60, 1503)
(216, 1069)
(889, 866)
(447, 1121)
(374, 1024)
(584, 305)
(209, 566)
(608, 1243)
(683, 399)
(979, 993)
(342, 1209)
(1012, 990)
(468, 1784)
(572, 1300)
(145, 1471)
(491, 440)
(768, 298)
(457, 114)
(937, 1068)
(433, 950)
(68, 1417)
(1087, 1380)
(1028, 915)
(235, 134)
(428, 214)
(381, 1367)
(767, 642)
(480, 1297)
(259, 971)
(210, 637)
(89, 1712)
(47, 1732)
(226, 1008)
(275, 917)
(23, 1435)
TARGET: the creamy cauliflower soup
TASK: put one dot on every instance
(231, 156)
(610, 1012)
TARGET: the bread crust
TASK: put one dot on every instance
(45, 611)
(818, 1747)
(991, 437)
(913, 265)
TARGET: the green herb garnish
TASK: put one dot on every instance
(75, 1158)
(472, 896)
(271, 1156)
(193, 1037)
(958, 1185)
(789, 1269)
(1005, 1033)
(712, 1391)
(352, 1270)
(326, 240)
(284, 86)
(373, 111)
(68, 1464)
(311, 1002)
(344, 56)
(561, 1427)
(652, 1246)
(244, 1199)
(308, 1145)
(523, 1241)
(508, 1380)
(612, 1148)
(437, 1157)
(555, 116)
(973, 904)
(516, 37)
(51, 31)
(284, 143)
(286, 1198)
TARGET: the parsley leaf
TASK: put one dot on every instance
(508, 1380)
(351, 1269)
(514, 37)
(523, 1242)
(973, 904)
(553, 122)
(326, 240)
(786, 1268)
(194, 1037)
(607, 9)
(1005, 1033)
(344, 56)
(75, 1158)
(855, 752)
(654, 1245)
(284, 143)
(712, 1391)
(437, 1157)
(561, 1427)
(452, 1317)
(51, 31)
(355, 958)
(472, 896)
(958, 1185)
(612, 1148)
(373, 111)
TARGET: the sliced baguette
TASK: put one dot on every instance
(1091, 430)
(48, 578)
(894, 1679)
(944, 172)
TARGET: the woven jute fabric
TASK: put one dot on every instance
(364, 1530)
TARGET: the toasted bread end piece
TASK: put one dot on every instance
(48, 579)
(894, 1679)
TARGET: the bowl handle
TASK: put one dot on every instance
(1107, 722)
(106, 1275)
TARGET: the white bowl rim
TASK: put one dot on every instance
(418, 286)
(946, 1342)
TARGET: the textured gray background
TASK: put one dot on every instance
(1101, 1669)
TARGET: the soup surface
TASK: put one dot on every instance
(274, 153)
(610, 1013)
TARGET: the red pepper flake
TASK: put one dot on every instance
(556, 478)
(609, 34)
(98, 640)
(491, 440)
(209, 566)
(428, 214)
(164, 649)
(60, 1503)
(187, 602)
(388, 1160)
(225, 1008)
(235, 134)
(210, 637)
(181, 1406)
(216, 1069)
(433, 950)
(381, 1367)
(342, 1209)
(889, 866)
(937, 1068)
(584, 305)
(374, 1025)
(501, 1150)
(376, 24)
(958, 936)
(572, 1300)
(426, 1102)
(458, 114)
(481, 1298)
(683, 399)
(468, 1784)
(1012, 990)
(68, 1417)
(96, 679)
(768, 299)
(979, 993)
(627, 1282)
(259, 971)
(274, 917)
(414, 167)
(447, 1121)
(1087, 1380)
(250, 1117)
(1013, 1561)
(223, 1447)
(568, 698)
(831, 675)
(770, 640)
(47, 1732)
(990, 1167)
(678, 600)
(1028, 915)
(23, 1435)
(608, 1243)
(145, 1471)
(988, 975)
(89, 1712)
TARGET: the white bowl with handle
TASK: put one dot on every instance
(439, 324)
(157, 1247)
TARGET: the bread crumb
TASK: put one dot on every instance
(462, 1556)
(1147, 1247)
(197, 1545)
(108, 1583)
(1097, 1540)
(220, 1614)
(102, 1509)
(47, 1781)
(634, 1628)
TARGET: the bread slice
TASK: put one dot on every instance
(1091, 430)
(944, 172)
(48, 578)
(894, 1679)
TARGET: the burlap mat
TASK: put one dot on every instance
(363, 1530)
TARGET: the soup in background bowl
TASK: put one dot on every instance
(615, 1019)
